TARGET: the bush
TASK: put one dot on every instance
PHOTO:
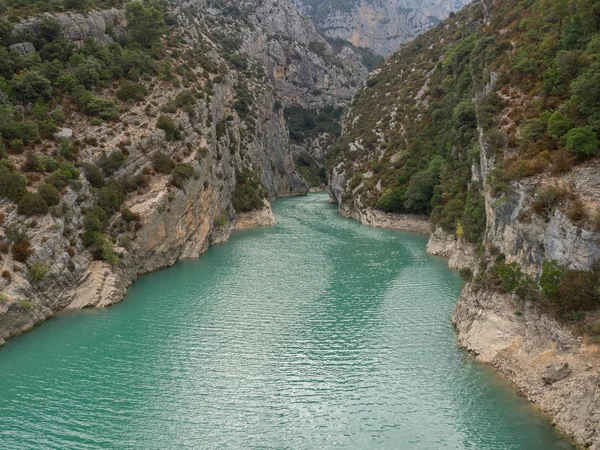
(168, 126)
(12, 185)
(582, 140)
(49, 193)
(552, 275)
(510, 275)
(94, 175)
(31, 87)
(129, 216)
(37, 271)
(17, 146)
(145, 24)
(21, 250)
(558, 125)
(130, 91)
(466, 274)
(181, 173)
(162, 163)
(32, 204)
(547, 200)
(249, 192)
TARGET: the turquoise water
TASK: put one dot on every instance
(315, 333)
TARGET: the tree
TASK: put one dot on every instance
(32, 204)
(586, 90)
(420, 191)
(49, 193)
(145, 25)
(12, 185)
(552, 275)
(582, 140)
(558, 125)
(31, 86)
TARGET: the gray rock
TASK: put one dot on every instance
(22, 47)
(556, 372)
(64, 133)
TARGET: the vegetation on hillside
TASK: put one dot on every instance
(415, 125)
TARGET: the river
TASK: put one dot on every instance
(314, 333)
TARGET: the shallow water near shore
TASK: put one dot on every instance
(314, 333)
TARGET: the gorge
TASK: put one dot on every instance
(138, 134)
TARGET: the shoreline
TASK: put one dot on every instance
(521, 348)
(102, 287)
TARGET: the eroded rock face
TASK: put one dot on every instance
(550, 365)
(380, 25)
(74, 26)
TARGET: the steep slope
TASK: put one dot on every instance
(487, 127)
(379, 25)
(136, 134)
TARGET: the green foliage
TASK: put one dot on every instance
(37, 271)
(32, 204)
(31, 87)
(49, 193)
(145, 24)
(94, 175)
(168, 126)
(511, 277)
(314, 174)
(558, 125)
(162, 163)
(249, 192)
(583, 140)
(131, 91)
(181, 173)
(466, 274)
(552, 275)
(308, 123)
(12, 185)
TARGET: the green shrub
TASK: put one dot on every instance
(37, 271)
(17, 146)
(145, 24)
(94, 175)
(168, 126)
(131, 91)
(510, 275)
(32, 204)
(25, 304)
(547, 200)
(552, 275)
(162, 163)
(466, 274)
(181, 173)
(249, 192)
(221, 220)
(128, 216)
(12, 185)
(49, 193)
(558, 125)
(31, 86)
(582, 140)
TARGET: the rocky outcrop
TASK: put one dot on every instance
(380, 25)
(546, 361)
(75, 27)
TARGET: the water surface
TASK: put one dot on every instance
(315, 333)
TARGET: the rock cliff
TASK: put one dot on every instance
(231, 72)
(380, 25)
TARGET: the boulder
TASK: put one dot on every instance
(556, 372)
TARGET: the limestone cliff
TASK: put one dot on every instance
(380, 25)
